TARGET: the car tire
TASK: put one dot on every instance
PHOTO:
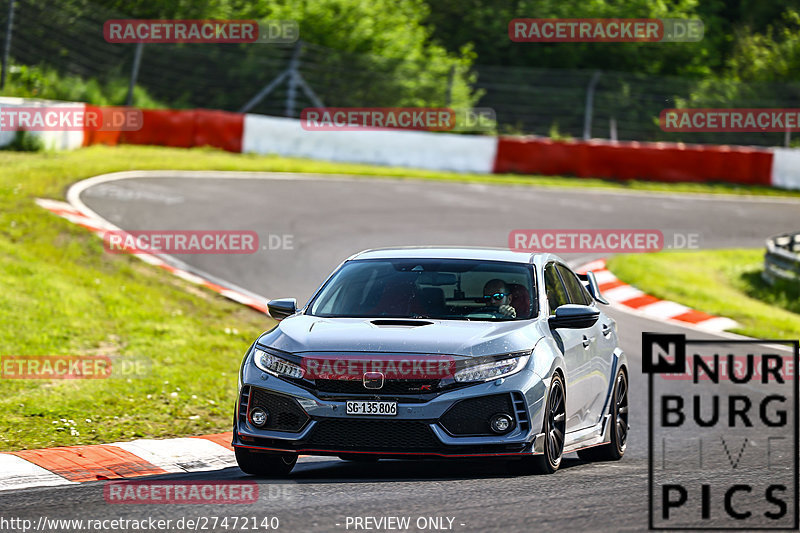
(553, 428)
(264, 464)
(614, 450)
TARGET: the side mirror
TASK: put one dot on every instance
(574, 316)
(593, 286)
(281, 308)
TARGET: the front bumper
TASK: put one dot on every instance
(438, 427)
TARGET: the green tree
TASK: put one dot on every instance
(770, 56)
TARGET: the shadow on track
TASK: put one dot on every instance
(332, 470)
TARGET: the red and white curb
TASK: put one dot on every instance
(99, 227)
(629, 297)
(143, 457)
(120, 460)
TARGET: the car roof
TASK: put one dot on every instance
(451, 252)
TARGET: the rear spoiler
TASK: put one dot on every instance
(594, 288)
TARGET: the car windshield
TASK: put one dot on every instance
(429, 288)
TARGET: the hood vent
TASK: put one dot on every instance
(400, 322)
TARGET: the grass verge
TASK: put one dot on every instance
(720, 282)
(62, 295)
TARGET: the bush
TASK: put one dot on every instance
(45, 82)
(25, 141)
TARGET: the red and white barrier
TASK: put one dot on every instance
(785, 168)
(670, 162)
(178, 128)
(52, 140)
(398, 148)
(235, 132)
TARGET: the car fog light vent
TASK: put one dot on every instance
(500, 423)
(473, 416)
(258, 416)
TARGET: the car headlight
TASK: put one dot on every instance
(493, 369)
(276, 366)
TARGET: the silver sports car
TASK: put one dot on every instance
(437, 352)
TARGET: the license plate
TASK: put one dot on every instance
(372, 408)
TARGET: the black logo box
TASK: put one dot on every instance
(678, 366)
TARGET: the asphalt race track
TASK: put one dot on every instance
(331, 218)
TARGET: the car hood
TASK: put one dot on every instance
(305, 333)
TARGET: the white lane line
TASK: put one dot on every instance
(55, 204)
(79, 187)
(181, 454)
(150, 259)
(191, 278)
(717, 324)
(17, 473)
(239, 297)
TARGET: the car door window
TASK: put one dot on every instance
(556, 293)
(577, 292)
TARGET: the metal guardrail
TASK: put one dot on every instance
(782, 258)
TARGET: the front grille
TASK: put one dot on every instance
(284, 413)
(373, 434)
(471, 416)
(391, 386)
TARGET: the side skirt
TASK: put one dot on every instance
(591, 436)
(600, 433)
